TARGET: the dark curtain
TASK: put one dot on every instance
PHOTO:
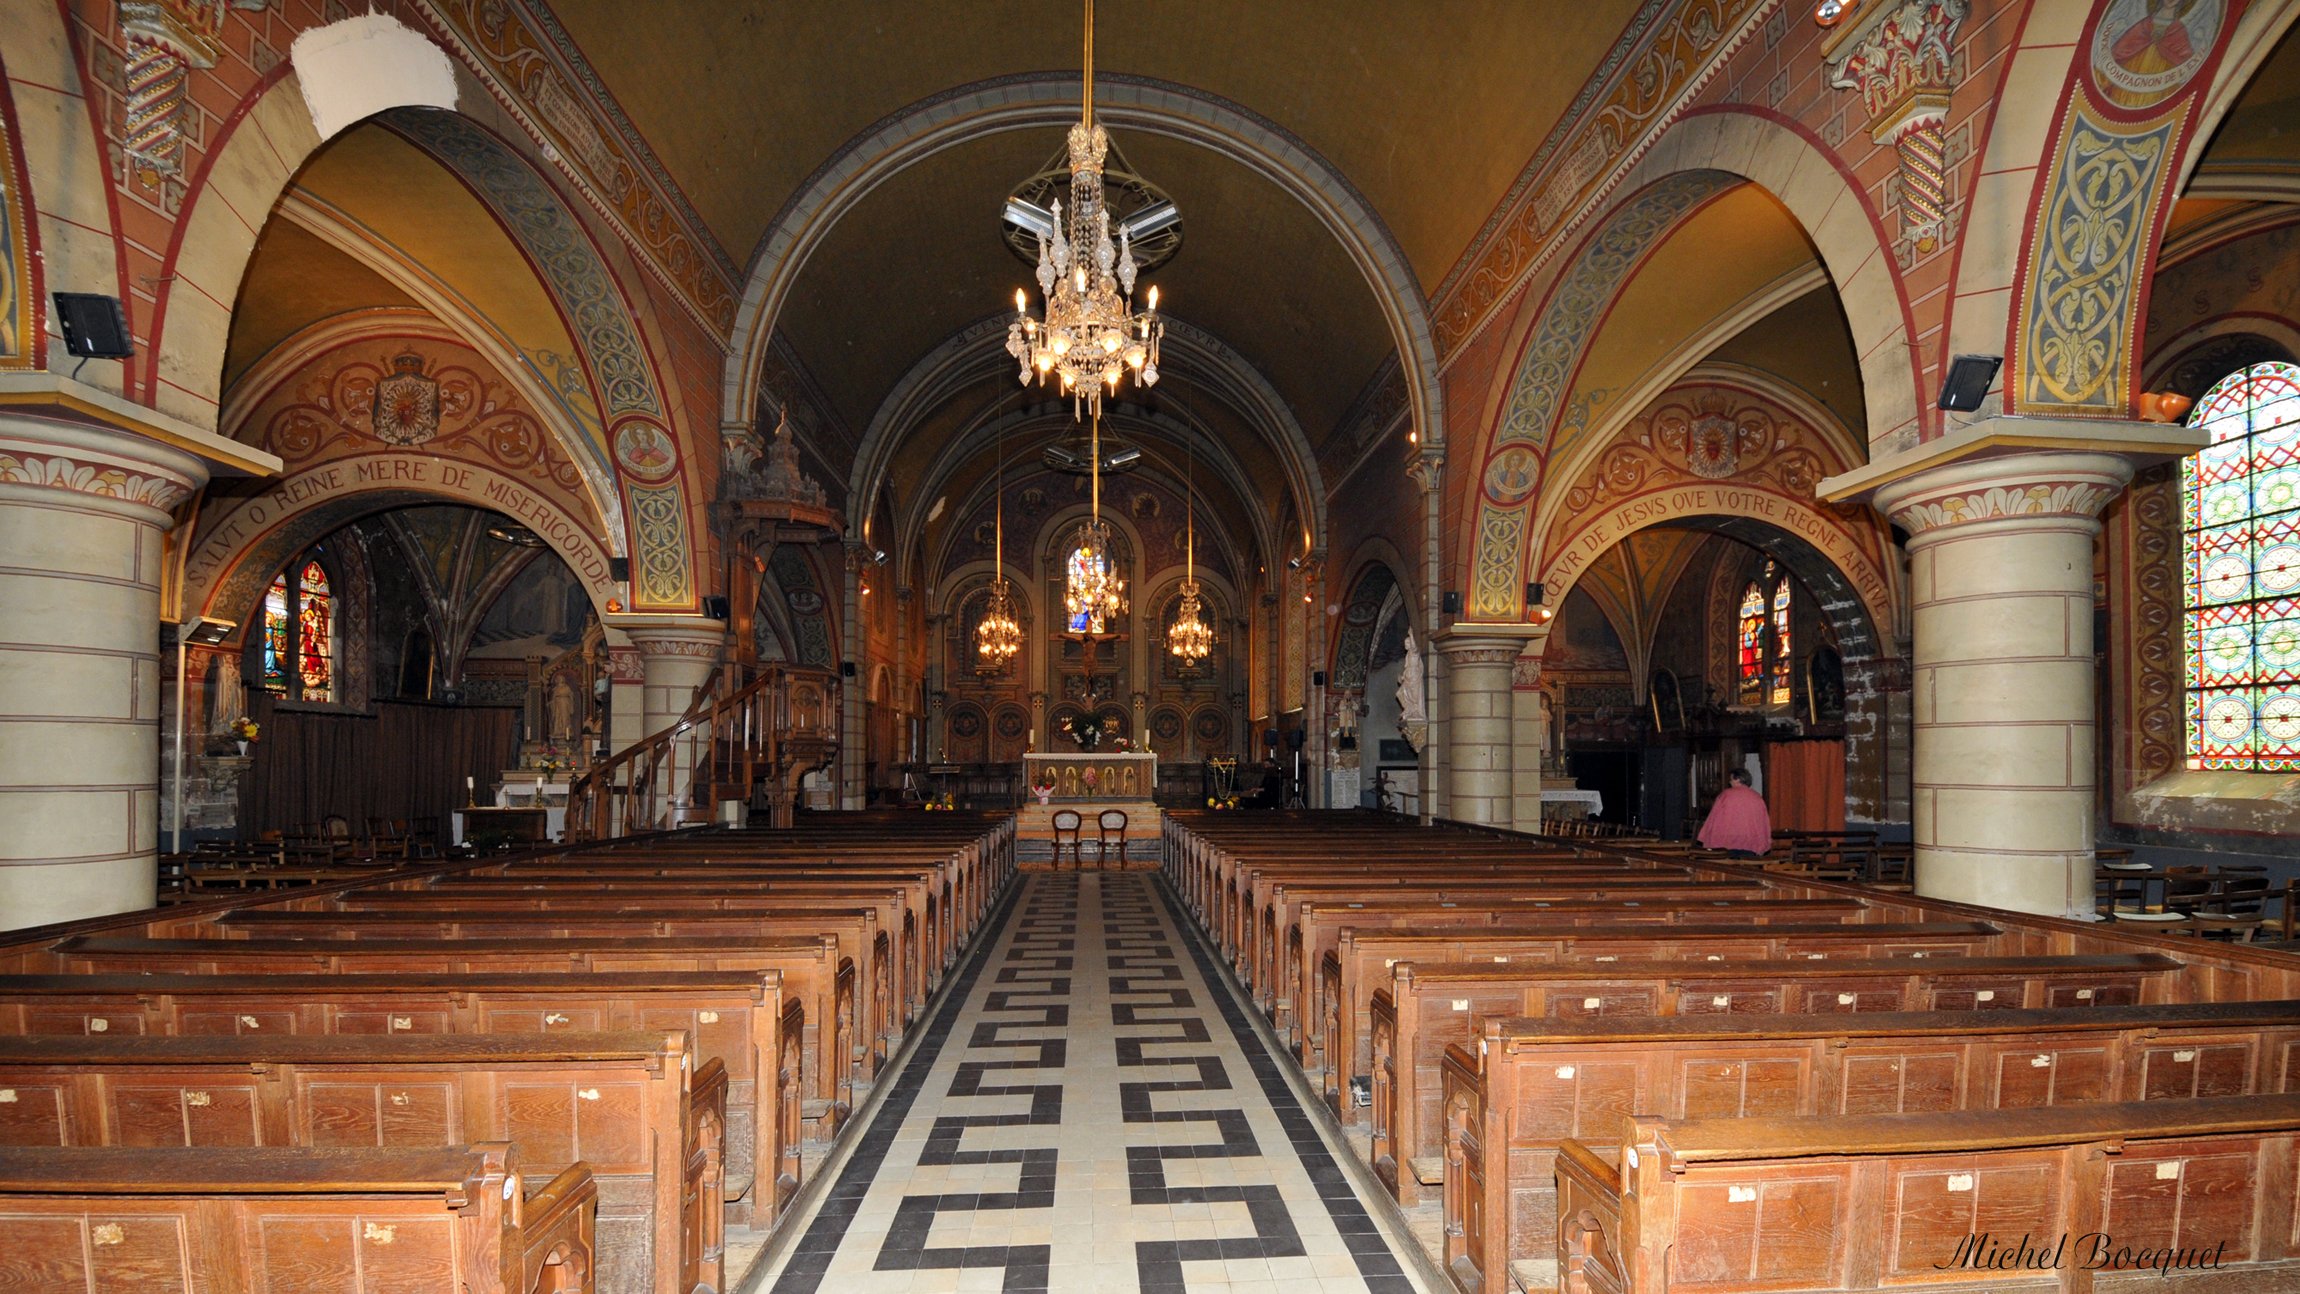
(406, 759)
(1805, 785)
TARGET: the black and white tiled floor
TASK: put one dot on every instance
(1089, 1108)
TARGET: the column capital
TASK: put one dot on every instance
(1485, 644)
(673, 635)
(119, 467)
(2018, 488)
(2008, 436)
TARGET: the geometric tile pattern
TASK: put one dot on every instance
(1091, 1109)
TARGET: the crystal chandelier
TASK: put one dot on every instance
(1190, 641)
(1092, 587)
(998, 636)
(1090, 333)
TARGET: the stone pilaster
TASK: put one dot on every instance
(2000, 586)
(82, 512)
(1529, 736)
(1481, 719)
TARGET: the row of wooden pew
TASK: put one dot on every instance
(1621, 1065)
(558, 1070)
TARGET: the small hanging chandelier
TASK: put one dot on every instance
(1092, 587)
(1090, 333)
(998, 636)
(1190, 641)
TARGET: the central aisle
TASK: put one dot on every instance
(1089, 1109)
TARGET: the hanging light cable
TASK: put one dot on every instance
(998, 636)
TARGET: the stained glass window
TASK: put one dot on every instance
(298, 643)
(2240, 544)
(1749, 625)
(1081, 566)
(278, 648)
(315, 642)
(1782, 645)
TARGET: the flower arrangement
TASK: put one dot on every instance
(1083, 729)
(246, 729)
(1122, 745)
(1044, 789)
(944, 802)
(1230, 801)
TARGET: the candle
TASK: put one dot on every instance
(470, 785)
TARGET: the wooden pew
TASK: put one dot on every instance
(2163, 1195)
(631, 1107)
(1316, 930)
(458, 1219)
(1428, 1007)
(739, 1019)
(861, 942)
(1532, 1084)
(1341, 1002)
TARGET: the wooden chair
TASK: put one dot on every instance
(1109, 821)
(1067, 824)
(2281, 926)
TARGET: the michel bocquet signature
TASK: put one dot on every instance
(2093, 1251)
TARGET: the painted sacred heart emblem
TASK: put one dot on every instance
(1709, 451)
(406, 404)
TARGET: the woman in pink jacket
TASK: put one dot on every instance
(1738, 823)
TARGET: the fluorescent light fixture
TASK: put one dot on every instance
(1031, 218)
(1156, 217)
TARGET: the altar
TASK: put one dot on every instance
(1090, 784)
(1092, 775)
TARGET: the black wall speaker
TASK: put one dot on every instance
(95, 327)
(1533, 595)
(715, 607)
(1317, 678)
(619, 569)
(1453, 602)
(846, 669)
(1968, 381)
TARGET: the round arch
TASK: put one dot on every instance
(1125, 103)
(1697, 158)
(255, 535)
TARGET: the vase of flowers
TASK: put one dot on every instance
(1083, 729)
(245, 731)
(1044, 790)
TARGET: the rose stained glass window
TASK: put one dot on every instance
(1782, 654)
(2240, 548)
(1749, 643)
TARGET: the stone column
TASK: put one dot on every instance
(2000, 585)
(677, 654)
(82, 512)
(1481, 719)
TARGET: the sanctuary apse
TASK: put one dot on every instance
(445, 428)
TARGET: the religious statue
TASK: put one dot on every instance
(562, 706)
(1413, 708)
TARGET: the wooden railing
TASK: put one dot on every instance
(744, 741)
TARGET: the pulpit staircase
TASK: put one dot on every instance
(747, 736)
